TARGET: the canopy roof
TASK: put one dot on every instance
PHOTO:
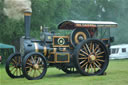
(72, 24)
(4, 46)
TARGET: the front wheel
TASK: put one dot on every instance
(34, 66)
(91, 57)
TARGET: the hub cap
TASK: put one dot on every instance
(92, 57)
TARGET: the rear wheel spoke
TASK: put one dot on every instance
(82, 61)
(83, 52)
(94, 67)
(99, 56)
(88, 49)
(84, 64)
(85, 49)
(100, 60)
(88, 68)
(97, 46)
(83, 58)
(97, 51)
(97, 65)
(91, 67)
(100, 53)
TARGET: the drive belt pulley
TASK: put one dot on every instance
(79, 35)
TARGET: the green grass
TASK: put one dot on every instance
(117, 74)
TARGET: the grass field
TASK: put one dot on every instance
(117, 74)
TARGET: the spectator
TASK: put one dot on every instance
(0, 59)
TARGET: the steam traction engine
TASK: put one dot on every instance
(84, 51)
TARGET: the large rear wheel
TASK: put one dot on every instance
(91, 57)
(13, 66)
(34, 66)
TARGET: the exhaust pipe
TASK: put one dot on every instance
(27, 21)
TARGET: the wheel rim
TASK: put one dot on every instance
(34, 66)
(92, 57)
(15, 66)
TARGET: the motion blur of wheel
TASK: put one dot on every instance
(70, 70)
(13, 66)
(91, 57)
(34, 66)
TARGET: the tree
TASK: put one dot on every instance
(51, 12)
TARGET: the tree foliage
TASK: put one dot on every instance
(51, 12)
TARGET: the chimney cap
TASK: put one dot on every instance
(28, 11)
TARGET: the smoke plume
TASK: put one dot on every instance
(14, 9)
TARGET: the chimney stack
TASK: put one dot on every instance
(27, 21)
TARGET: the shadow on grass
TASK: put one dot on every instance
(64, 75)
